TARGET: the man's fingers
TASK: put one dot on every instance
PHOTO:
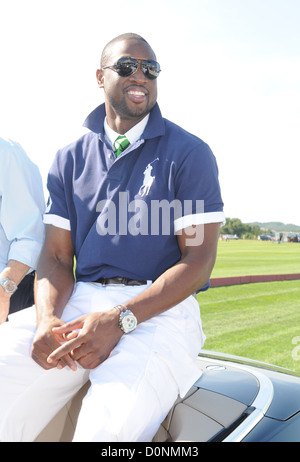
(70, 335)
(64, 350)
(68, 327)
(62, 362)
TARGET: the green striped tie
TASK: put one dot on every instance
(120, 145)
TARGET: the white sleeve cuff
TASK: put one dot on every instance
(57, 221)
(199, 219)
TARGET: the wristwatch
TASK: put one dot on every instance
(8, 285)
(127, 320)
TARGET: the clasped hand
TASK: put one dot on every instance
(87, 340)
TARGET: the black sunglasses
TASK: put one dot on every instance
(128, 66)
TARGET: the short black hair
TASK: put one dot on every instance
(127, 36)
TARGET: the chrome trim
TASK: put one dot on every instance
(246, 362)
(260, 404)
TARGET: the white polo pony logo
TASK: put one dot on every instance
(148, 179)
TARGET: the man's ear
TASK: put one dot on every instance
(100, 76)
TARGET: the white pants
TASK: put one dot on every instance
(130, 393)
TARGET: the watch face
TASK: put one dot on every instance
(9, 286)
(129, 323)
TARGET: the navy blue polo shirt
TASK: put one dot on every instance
(124, 213)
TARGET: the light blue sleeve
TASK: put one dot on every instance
(21, 206)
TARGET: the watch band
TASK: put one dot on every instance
(121, 308)
(127, 320)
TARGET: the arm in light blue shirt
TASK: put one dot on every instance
(21, 206)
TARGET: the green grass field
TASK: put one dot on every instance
(246, 257)
(258, 321)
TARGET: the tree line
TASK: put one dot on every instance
(242, 230)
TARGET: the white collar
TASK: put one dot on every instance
(132, 135)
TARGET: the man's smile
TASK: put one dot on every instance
(137, 95)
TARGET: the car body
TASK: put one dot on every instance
(293, 237)
(238, 400)
(229, 237)
(266, 237)
(234, 400)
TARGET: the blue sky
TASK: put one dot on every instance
(231, 75)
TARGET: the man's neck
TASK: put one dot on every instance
(133, 134)
(122, 126)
